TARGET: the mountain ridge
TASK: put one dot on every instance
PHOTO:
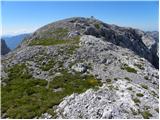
(118, 35)
(82, 68)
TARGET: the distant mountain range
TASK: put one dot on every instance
(13, 41)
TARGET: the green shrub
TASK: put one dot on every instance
(127, 78)
(129, 88)
(144, 86)
(128, 69)
(146, 114)
(146, 78)
(136, 100)
(97, 25)
(139, 94)
(154, 94)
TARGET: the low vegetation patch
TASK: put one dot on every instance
(136, 100)
(55, 41)
(47, 66)
(144, 86)
(128, 68)
(73, 82)
(71, 49)
(146, 114)
(146, 78)
(27, 97)
(60, 32)
(139, 94)
(49, 41)
(129, 88)
(154, 94)
(127, 78)
(97, 25)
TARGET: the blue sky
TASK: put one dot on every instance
(19, 17)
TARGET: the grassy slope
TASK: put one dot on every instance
(27, 97)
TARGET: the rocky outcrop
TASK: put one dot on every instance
(80, 67)
(150, 39)
(4, 48)
(119, 97)
(109, 102)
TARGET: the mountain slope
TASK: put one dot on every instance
(81, 68)
(4, 47)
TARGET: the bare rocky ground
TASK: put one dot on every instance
(124, 60)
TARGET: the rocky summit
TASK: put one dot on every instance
(82, 68)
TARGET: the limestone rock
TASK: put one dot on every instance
(80, 67)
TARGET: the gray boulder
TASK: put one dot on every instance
(80, 67)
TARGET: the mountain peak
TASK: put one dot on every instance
(126, 37)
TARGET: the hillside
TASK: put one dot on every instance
(4, 47)
(82, 68)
